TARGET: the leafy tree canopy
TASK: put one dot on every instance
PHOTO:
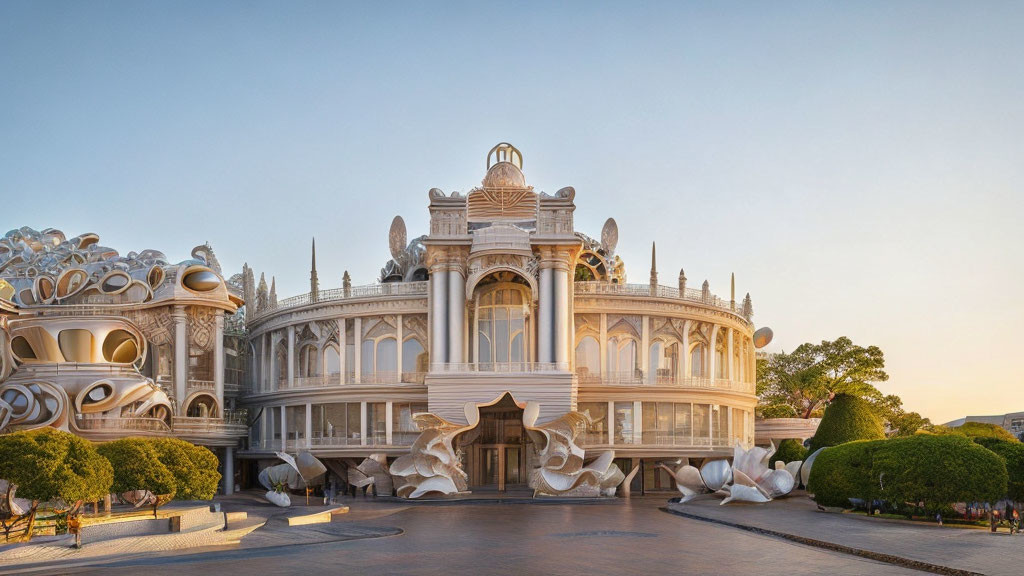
(813, 374)
(194, 468)
(137, 466)
(50, 464)
(898, 422)
(846, 419)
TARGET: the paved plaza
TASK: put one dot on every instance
(616, 537)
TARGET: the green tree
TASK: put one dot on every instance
(984, 430)
(790, 450)
(194, 468)
(898, 422)
(846, 419)
(53, 465)
(137, 466)
(1013, 454)
(813, 374)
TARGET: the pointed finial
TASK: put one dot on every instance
(346, 284)
(654, 267)
(682, 283)
(273, 292)
(732, 290)
(314, 281)
(705, 292)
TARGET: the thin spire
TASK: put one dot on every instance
(314, 281)
(654, 265)
(732, 290)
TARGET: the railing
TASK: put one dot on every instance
(639, 379)
(68, 368)
(333, 380)
(334, 294)
(322, 441)
(97, 423)
(692, 295)
(657, 438)
(499, 367)
(201, 384)
(197, 425)
(500, 237)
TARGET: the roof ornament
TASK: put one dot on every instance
(609, 237)
(314, 281)
(705, 292)
(505, 152)
(654, 268)
(682, 283)
(397, 238)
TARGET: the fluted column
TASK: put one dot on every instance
(645, 348)
(545, 316)
(561, 311)
(180, 356)
(342, 349)
(291, 357)
(456, 311)
(713, 353)
(603, 346)
(439, 311)
(357, 355)
(730, 361)
(218, 359)
(272, 380)
(400, 333)
(684, 353)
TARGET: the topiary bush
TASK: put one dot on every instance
(137, 466)
(790, 450)
(843, 472)
(49, 464)
(984, 430)
(933, 472)
(846, 419)
(1012, 454)
(194, 468)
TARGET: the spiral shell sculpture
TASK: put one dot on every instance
(747, 479)
(563, 471)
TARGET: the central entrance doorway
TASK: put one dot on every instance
(498, 450)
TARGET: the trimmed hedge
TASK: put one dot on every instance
(790, 450)
(137, 466)
(984, 430)
(48, 464)
(1012, 454)
(922, 472)
(846, 419)
(194, 468)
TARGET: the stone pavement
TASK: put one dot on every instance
(628, 537)
(968, 549)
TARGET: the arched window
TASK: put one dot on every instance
(588, 357)
(387, 355)
(720, 367)
(500, 326)
(379, 360)
(307, 361)
(413, 357)
(697, 361)
(332, 360)
(622, 356)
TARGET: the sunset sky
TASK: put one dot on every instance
(859, 167)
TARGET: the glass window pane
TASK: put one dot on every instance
(354, 422)
(366, 359)
(517, 348)
(588, 352)
(683, 424)
(701, 424)
(597, 432)
(623, 422)
(387, 355)
(501, 335)
(412, 351)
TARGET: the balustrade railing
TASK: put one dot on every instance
(201, 385)
(333, 380)
(692, 295)
(196, 424)
(499, 367)
(640, 379)
(117, 423)
(334, 294)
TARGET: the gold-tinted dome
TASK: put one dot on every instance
(504, 175)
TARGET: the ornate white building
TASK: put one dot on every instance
(503, 323)
(501, 306)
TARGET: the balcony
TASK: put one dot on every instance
(336, 380)
(638, 378)
(202, 426)
(88, 423)
(197, 385)
(351, 293)
(646, 290)
(499, 367)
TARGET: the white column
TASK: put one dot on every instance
(456, 313)
(439, 314)
(611, 422)
(684, 354)
(387, 423)
(603, 346)
(284, 428)
(218, 359)
(638, 422)
(229, 471)
(712, 353)
(262, 382)
(343, 349)
(645, 348)
(362, 423)
(291, 357)
(272, 382)
(309, 425)
(357, 355)
(561, 311)
(401, 334)
(729, 361)
(265, 420)
(180, 357)
(545, 317)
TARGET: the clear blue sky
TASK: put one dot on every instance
(859, 166)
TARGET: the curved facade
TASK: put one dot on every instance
(504, 304)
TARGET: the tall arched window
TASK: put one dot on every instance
(332, 360)
(500, 326)
(720, 367)
(588, 357)
(697, 361)
(622, 356)
(413, 357)
(308, 361)
(379, 358)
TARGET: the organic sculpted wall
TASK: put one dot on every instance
(563, 471)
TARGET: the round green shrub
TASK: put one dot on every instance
(194, 468)
(846, 419)
(790, 450)
(984, 430)
(937, 471)
(137, 466)
(843, 472)
(1013, 455)
(50, 464)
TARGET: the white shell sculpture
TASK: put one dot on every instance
(562, 470)
(716, 474)
(805, 469)
(432, 466)
(689, 482)
(295, 473)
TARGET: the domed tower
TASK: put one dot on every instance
(503, 195)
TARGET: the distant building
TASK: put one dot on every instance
(1012, 422)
